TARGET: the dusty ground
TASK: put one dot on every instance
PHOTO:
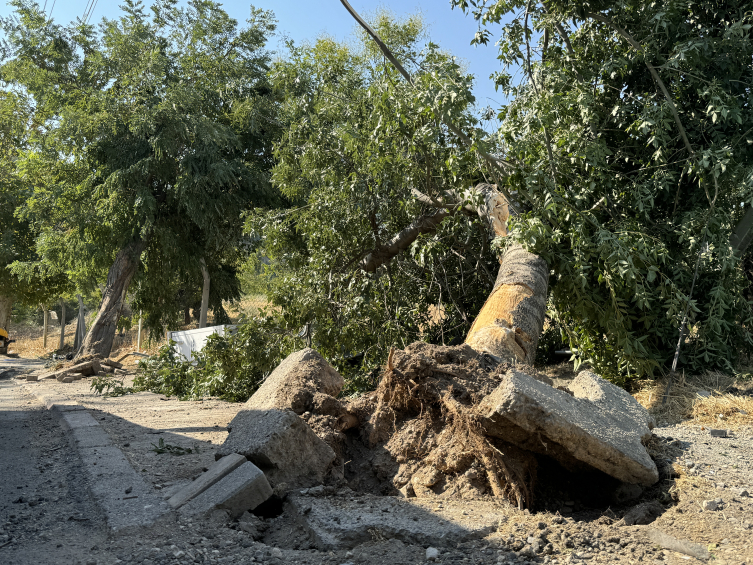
(570, 530)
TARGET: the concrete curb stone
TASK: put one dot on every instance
(108, 471)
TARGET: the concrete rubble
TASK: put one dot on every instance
(598, 424)
(242, 489)
(349, 519)
(269, 432)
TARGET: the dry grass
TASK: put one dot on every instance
(688, 400)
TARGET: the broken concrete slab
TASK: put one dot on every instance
(215, 473)
(281, 444)
(295, 381)
(346, 521)
(66, 380)
(604, 433)
(32, 377)
(243, 489)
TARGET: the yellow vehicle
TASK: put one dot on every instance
(4, 341)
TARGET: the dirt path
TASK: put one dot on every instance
(569, 532)
(46, 512)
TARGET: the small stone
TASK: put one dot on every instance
(432, 553)
(277, 552)
(129, 490)
(541, 525)
(710, 505)
(718, 433)
(743, 493)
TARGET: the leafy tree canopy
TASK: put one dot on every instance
(358, 142)
(157, 131)
(632, 139)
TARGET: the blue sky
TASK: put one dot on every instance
(307, 19)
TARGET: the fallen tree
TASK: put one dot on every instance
(614, 252)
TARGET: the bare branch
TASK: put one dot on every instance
(426, 223)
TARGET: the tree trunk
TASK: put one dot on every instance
(186, 316)
(99, 339)
(62, 324)
(510, 322)
(204, 295)
(80, 325)
(6, 307)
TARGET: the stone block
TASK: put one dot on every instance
(243, 489)
(600, 425)
(294, 383)
(216, 472)
(32, 378)
(281, 444)
(66, 380)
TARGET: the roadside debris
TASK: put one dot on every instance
(445, 422)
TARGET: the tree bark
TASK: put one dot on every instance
(204, 295)
(80, 325)
(99, 339)
(6, 307)
(512, 318)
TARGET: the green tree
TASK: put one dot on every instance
(19, 281)
(631, 143)
(361, 156)
(157, 137)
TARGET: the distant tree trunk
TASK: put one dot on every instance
(204, 295)
(99, 339)
(187, 316)
(80, 325)
(62, 324)
(6, 307)
(45, 327)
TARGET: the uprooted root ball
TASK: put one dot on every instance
(424, 416)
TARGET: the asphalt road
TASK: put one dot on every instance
(46, 512)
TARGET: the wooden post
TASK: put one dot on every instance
(62, 324)
(44, 332)
(138, 339)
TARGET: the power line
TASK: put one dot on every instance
(53, 7)
(87, 9)
(94, 5)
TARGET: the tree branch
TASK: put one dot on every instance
(426, 223)
(652, 70)
(500, 165)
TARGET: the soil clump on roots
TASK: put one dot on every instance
(419, 434)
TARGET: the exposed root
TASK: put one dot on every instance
(425, 417)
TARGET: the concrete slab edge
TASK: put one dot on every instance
(106, 467)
